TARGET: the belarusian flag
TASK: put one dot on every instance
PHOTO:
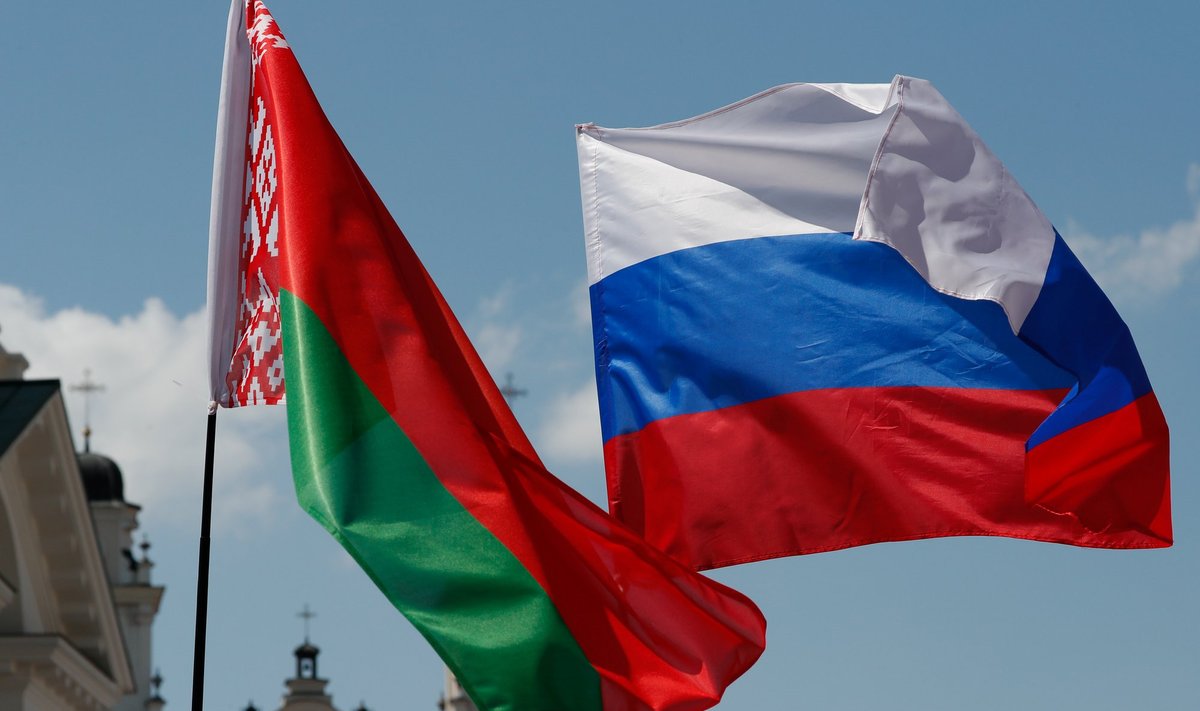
(402, 445)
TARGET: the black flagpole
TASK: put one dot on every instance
(202, 567)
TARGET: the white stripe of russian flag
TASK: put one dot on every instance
(890, 163)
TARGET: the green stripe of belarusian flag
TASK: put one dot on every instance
(359, 475)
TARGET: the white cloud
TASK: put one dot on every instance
(493, 306)
(1139, 267)
(570, 432)
(150, 418)
(581, 305)
(497, 345)
(492, 330)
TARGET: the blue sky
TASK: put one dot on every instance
(462, 116)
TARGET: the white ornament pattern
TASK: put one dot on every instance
(256, 367)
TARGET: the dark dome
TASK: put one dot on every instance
(102, 478)
(307, 649)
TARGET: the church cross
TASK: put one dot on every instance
(510, 391)
(88, 387)
(307, 615)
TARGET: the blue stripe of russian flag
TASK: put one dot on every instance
(734, 322)
(1075, 325)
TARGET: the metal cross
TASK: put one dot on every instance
(510, 391)
(88, 387)
(307, 615)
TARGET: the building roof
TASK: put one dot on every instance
(102, 478)
(65, 599)
(20, 401)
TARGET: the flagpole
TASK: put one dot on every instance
(202, 565)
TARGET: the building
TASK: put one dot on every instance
(76, 601)
(306, 691)
(454, 697)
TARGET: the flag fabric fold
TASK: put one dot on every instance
(404, 449)
(827, 316)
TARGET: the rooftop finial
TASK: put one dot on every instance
(510, 391)
(307, 615)
(88, 387)
(156, 686)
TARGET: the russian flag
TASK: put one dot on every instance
(827, 316)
